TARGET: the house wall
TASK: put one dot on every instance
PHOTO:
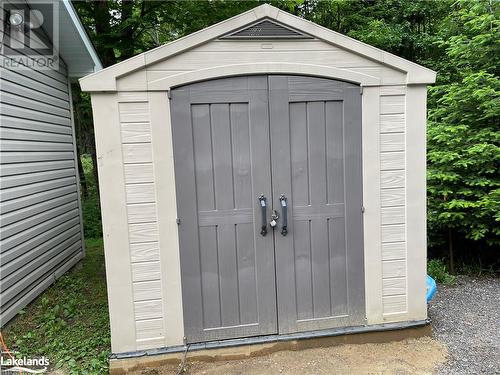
(135, 153)
(41, 233)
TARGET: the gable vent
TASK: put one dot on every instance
(265, 29)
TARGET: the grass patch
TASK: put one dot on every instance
(92, 226)
(69, 322)
(438, 270)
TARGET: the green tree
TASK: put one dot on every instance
(406, 28)
(463, 128)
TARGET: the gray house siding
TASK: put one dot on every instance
(40, 217)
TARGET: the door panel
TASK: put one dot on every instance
(221, 151)
(316, 152)
(237, 138)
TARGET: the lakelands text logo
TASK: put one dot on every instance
(12, 363)
(9, 364)
(29, 36)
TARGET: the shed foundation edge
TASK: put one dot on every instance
(122, 363)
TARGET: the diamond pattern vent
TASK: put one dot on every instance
(265, 29)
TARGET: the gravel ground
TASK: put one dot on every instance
(466, 318)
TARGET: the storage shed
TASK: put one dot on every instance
(263, 177)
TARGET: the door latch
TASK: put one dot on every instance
(274, 217)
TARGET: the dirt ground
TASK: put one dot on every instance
(415, 356)
(465, 321)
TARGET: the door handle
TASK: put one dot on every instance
(263, 208)
(284, 214)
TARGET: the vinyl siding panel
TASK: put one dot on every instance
(30, 178)
(20, 123)
(7, 194)
(40, 97)
(13, 169)
(26, 201)
(70, 235)
(53, 229)
(21, 78)
(23, 135)
(38, 287)
(40, 227)
(35, 102)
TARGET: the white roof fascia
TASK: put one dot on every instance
(105, 80)
(83, 34)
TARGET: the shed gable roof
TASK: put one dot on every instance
(105, 80)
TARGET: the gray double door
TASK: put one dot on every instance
(248, 148)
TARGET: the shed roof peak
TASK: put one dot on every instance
(105, 80)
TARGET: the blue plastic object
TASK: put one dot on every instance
(431, 288)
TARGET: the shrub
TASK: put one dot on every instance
(438, 270)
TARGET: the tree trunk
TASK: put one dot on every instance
(93, 155)
(103, 32)
(79, 137)
(84, 189)
(450, 252)
(127, 34)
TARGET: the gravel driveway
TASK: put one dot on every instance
(466, 318)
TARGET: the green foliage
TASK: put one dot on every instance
(438, 270)
(69, 323)
(406, 28)
(463, 129)
(476, 269)
(123, 28)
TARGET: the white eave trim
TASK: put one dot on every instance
(83, 34)
(105, 80)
